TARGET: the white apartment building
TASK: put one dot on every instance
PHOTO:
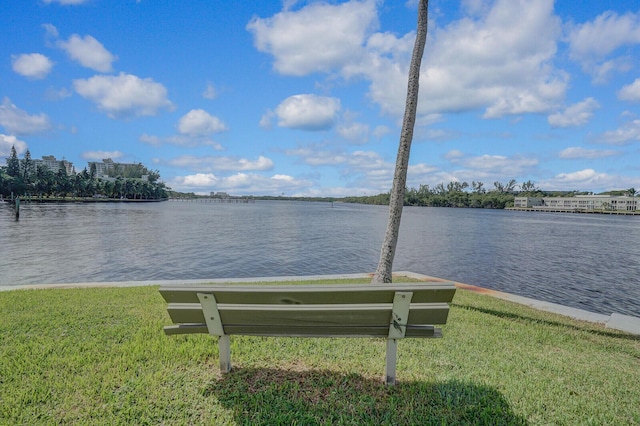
(579, 203)
(102, 168)
(50, 162)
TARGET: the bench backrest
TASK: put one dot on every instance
(356, 310)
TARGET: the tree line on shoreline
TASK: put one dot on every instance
(23, 178)
(476, 195)
(455, 194)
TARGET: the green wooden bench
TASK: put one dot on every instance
(392, 311)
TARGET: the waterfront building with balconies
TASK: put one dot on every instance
(579, 203)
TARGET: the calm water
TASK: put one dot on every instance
(584, 261)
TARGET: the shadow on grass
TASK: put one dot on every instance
(531, 320)
(273, 396)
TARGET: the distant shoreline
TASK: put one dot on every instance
(84, 200)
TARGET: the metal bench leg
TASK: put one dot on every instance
(224, 347)
(214, 324)
(390, 371)
(397, 330)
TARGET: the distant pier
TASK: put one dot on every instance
(244, 200)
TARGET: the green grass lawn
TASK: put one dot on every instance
(99, 356)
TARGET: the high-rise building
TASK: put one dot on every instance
(50, 162)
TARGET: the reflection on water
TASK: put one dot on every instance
(585, 261)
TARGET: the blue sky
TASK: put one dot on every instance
(306, 98)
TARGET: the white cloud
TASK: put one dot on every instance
(283, 178)
(53, 94)
(587, 41)
(487, 163)
(575, 115)
(366, 171)
(481, 61)
(454, 155)
(587, 178)
(207, 164)
(367, 160)
(362, 168)
(51, 30)
(352, 130)
(436, 134)
(194, 129)
(627, 133)
(368, 168)
(258, 184)
(19, 122)
(601, 72)
(124, 95)
(240, 183)
(477, 62)
(318, 155)
(486, 167)
(89, 52)
(243, 180)
(418, 170)
(210, 92)
(265, 120)
(66, 2)
(101, 155)
(592, 42)
(7, 141)
(32, 65)
(381, 131)
(308, 112)
(198, 122)
(389, 45)
(577, 152)
(200, 180)
(262, 163)
(317, 38)
(630, 92)
(179, 140)
(514, 69)
(151, 139)
(500, 163)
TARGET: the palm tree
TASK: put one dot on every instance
(118, 188)
(129, 190)
(396, 202)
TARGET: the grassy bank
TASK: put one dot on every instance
(99, 356)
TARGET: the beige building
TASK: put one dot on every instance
(579, 203)
(108, 165)
(50, 162)
(102, 168)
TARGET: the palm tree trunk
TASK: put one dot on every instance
(387, 253)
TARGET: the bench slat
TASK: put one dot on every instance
(305, 331)
(319, 315)
(436, 292)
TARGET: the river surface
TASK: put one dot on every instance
(585, 261)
